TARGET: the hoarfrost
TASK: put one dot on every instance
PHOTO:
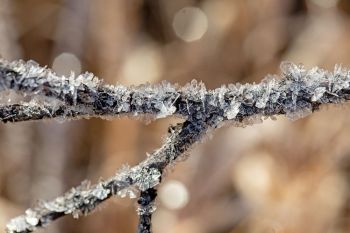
(130, 192)
(195, 89)
(318, 93)
(76, 214)
(57, 205)
(233, 110)
(122, 175)
(100, 192)
(23, 223)
(18, 224)
(146, 210)
(248, 96)
(39, 92)
(221, 95)
(31, 217)
(266, 88)
(341, 79)
(261, 102)
(146, 177)
(165, 110)
(292, 71)
(274, 97)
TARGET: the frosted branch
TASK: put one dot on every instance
(32, 111)
(146, 202)
(296, 93)
(83, 199)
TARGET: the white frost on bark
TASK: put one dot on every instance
(296, 93)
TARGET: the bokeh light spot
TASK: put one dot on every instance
(144, 64)
(325, 3)
(174, 195)
(190, 24)
(65, 63)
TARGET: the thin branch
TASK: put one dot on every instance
(146, 202)
(297, 93)
(83, 199)
(32, 111)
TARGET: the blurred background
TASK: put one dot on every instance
(279, 176)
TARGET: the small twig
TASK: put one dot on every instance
(83, 199)
(33, 111)
(146, 209)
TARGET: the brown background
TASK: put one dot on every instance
(279, 176)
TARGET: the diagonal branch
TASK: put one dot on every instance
(83, 199)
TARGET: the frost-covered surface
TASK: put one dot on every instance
(127, 182)
(41, 94)
(296, 93)
(146, 209)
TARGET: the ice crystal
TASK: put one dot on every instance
(266, 89)
(341, 79)
(31, 217)
(57, 205)
(165, 110)
(292, 71)
(146, 210)
(274, 97)
(76, 213)
(100, 192)
(18, 224)
(221, 95)
(24, 223)
(130, 192)
(233, 110)
(146, 177)
(196, 90)
(122, 174)
(318, 93)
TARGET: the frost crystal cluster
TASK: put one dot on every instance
(31, 92)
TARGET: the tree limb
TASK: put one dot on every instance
(296, 93)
